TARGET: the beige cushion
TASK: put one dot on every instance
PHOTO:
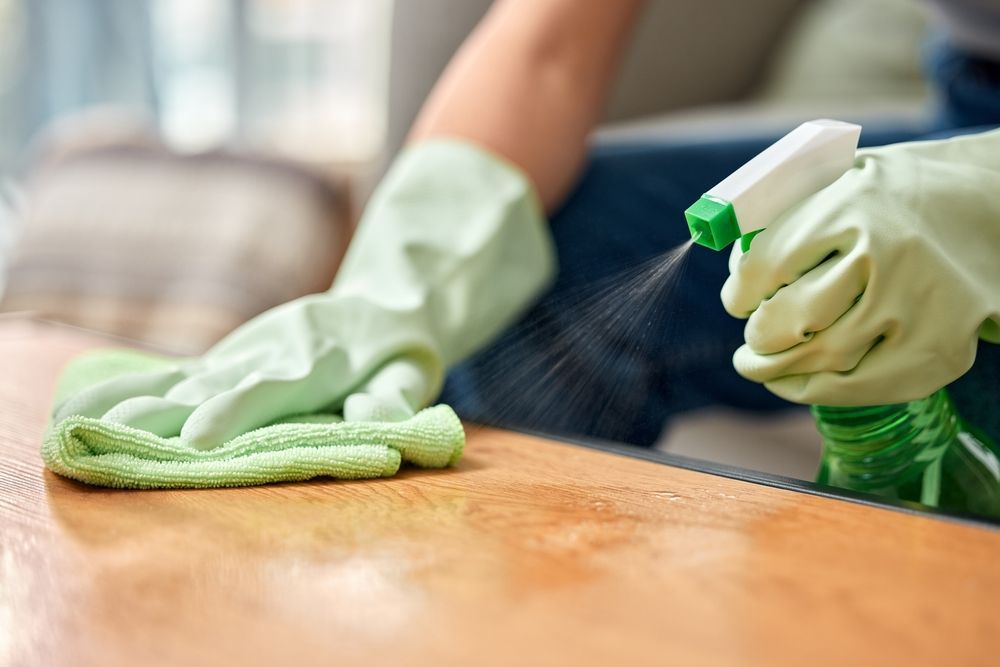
(858, 51)
(175, 251)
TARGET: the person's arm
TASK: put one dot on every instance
(529, 84)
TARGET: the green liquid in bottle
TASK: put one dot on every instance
(919, 451)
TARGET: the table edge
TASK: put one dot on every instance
(759, 478)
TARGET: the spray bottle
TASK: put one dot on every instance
(920, 451)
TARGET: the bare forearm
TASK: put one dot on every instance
(530, 83)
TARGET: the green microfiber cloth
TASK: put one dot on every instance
(298, 448)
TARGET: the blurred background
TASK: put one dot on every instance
(171, 168)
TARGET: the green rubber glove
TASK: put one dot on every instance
(876, 289)
(452, 247)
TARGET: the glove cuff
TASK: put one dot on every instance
(455, 231)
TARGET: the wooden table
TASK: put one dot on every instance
(529, 552)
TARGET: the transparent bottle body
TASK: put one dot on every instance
(920, 451)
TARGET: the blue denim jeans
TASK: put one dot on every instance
(555, 372)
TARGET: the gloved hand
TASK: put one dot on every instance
(451, 248)
(876, 289)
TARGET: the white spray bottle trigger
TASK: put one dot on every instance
(803, 162)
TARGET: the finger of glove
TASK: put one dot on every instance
(878, 379)
(734, 256)
(97, 400)
(261, 398)
(166, 415)
(778, 256)
(811, 304)
(838, 348)
(394, 393)
(208, 383)
(160, 416)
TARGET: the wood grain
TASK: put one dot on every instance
(529, 552)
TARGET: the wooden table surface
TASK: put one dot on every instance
(528, 552)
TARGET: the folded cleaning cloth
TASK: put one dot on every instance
(298, 448)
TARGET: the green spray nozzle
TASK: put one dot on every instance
(712, 222)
